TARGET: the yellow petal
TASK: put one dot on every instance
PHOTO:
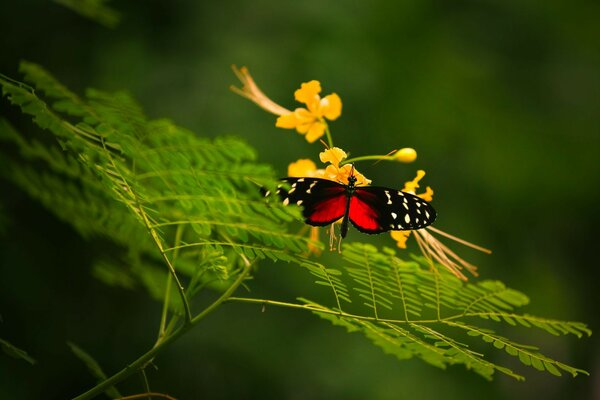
(331, 106)
(411, 186)
(303, 128)
(304, 116)
(341, 174)
(315, 131)
(361, 180)
(333, 174)
(302, 167)
(334, 155)
(307, 91)
(428, 195)
(406, 155)
(400, 237)
(287, 121)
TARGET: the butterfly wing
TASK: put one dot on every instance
(323, 201)
(376, 209)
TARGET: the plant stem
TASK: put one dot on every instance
(150, 354)
(315, 308)
(366, 158)
(328, 133)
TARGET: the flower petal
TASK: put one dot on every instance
(400, 237)
(341, 174)
(304, 116)
(308, 91)
(428, 195)
(334, 155)
(287, 121)
(331, 106)
(316, 130)
(411, 186)
(302, 167)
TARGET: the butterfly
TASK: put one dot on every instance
(371, 209)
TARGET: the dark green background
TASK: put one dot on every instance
(500, 98)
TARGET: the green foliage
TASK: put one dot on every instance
(139, 182)
(96, 10)
(417, 309)
(15, 352)
(187, 214)
(94, 368)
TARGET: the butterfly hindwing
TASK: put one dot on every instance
(323, 201)
(376, 209)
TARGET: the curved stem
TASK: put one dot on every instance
(366, 158)
(150, 354)
(328, 134)
(315, 308)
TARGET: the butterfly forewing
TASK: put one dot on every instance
(378, 209)
(323, 201)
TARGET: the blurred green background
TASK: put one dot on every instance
(501, 99)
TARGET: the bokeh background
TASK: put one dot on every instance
(500, 98)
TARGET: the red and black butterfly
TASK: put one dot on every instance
(371, 209)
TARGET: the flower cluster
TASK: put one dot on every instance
(312, 122)
(429, 245)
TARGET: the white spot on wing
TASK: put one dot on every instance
(405, 205)
(299, 202)
(267, 193)
(301, 180)
(394, 215)
(292, 189)
(286, 201)
(387, 193)
(311, 186)
(407, 219)
(426, 214)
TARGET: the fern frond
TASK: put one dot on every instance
(193, 205)
(163, 179)
(15, 352)
(96, 10)
(526, 354)
(422, 301)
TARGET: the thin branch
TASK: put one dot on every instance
(136, 365)
(147, 395)
(310, 307)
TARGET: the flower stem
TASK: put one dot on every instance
(328, 133)
(366, 158)
(135, 366)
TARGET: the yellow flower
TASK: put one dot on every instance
(310, 121)
(302, 167)
(431, 247)
(335, 172)
(334, 155)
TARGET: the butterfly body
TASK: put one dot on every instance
(370, 209)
